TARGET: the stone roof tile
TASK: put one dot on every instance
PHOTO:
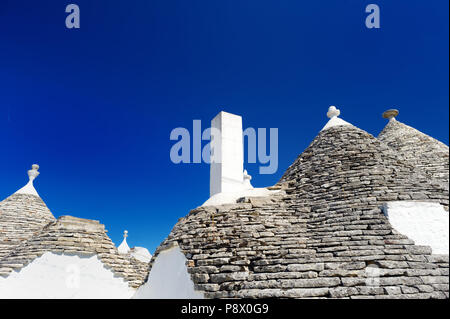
(21, 217)
(71, 235)
(323, 236)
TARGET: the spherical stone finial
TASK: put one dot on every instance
(125, 234)
(33, 172)
(390, 114)
(333, 112)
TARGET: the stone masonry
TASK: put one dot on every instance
(28, 230)
(324, 234)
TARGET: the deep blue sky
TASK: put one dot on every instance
(95, 106)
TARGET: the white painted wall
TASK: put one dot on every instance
(227, 159)
(425, 223)
(55, 276)
(168, 278)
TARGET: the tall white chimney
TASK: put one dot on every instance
(227, 154)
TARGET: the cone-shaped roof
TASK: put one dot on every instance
(71, 235)
(22, 215)
(410, 141)
(321, 235)
(419, 149)
(345, 163)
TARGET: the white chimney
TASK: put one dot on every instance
(227, 154)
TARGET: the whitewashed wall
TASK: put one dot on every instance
(425, 223)
(57, 276)
(168, 278)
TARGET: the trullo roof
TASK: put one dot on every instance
(325, 235)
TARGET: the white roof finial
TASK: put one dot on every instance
(123, 247)
(29, 188)
(390, 114)
(334, 120)
(333, 112)
(247, 179)
(33, 172)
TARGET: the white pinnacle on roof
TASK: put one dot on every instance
(141, 254)
(333, 114)
(123, 247)
(29, 188)
(247, 179)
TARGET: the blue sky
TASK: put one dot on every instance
(95, 106)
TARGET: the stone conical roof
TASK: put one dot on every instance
(28, 230)
(323, 235)
(424, 152)
(345, 164)
(22, 215)
(71, 235)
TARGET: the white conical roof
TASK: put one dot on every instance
(29, 188)
(333, 114)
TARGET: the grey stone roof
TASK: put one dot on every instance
(425, 152)
(28, 230)
(324, 235)
(349, 166)
(21, 217)
(70, 235)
